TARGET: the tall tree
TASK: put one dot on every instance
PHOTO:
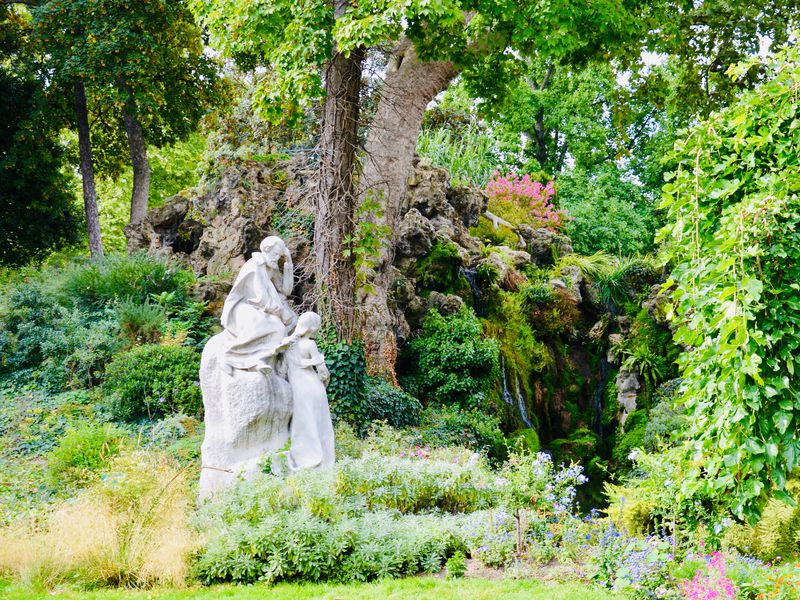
(432, 42)
(33, 186)
(143, 66)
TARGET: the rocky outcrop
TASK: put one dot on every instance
(216, 231)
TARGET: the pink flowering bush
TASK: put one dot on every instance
(713, 584)
(523, 200)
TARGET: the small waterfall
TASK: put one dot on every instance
(523, 411)
(599, 395)
(471, 275)
(508, 397)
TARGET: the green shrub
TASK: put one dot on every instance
(525, 441)
(414, 482)
(468, 155)
(456, 565)
(151, 381)
(440, 270)
(347, 388)
(635, 427)
(135, 277)
(301, 546)
(141, 322)
(608, 213)
(455, 363)
(390, 404)
(82, 453)
(448, 426)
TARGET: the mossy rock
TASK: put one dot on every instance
(525, 440)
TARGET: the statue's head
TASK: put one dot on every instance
(308, 324)
(273, 248)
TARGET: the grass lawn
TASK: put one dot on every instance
(412, 588)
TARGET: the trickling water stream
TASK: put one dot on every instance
(599, 395)
(523, 411)
(471, 275)
(508, 397)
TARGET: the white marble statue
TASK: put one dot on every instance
(311, 430)
(247, 398)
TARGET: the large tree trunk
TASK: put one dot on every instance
(335, 197)
(141, 166)
(87, 172)
(410, 85)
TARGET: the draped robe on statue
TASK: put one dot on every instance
(255, 316)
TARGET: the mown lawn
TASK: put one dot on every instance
(413, 588)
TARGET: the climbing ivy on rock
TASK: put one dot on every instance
(734, 225)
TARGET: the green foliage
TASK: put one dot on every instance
(734, 213)
(82, 453)
(364, 246)
(347, 388)
(468, 155)
(151, 381)
(456, 565)
(141, 323)
(34, 188)
(440, 270)
(52, 344)
(608, 213)
(455, 364)
(448, 426)
(525, 441)
(412, 482)
(146, 60)
(631, 438)
(667, 422)
(294, 44)
(173, 169)
(391, 405)
(120, 277)
(776, 535)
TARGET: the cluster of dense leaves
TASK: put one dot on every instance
(145, 57)
(734, 210)
(295, 40)
(455, 363)
(33, 187)
(607, 213)
(153, 380)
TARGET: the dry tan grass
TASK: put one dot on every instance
(129, 529)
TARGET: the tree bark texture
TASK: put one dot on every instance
(87, 171)
(141, 166)
(335, 194)
(410, 85)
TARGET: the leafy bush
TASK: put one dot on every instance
(151, 381)
(440, 270)
(455, 364)
(347, 388)
(414, 483)
(82, 453)
(302, 546)
(448, 426)
(118, 277)
(732, 199)
(608, 213)
(469, 155)
(456, 565)
(390, 404)
(141, 322)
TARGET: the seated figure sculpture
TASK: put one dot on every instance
(247, 398)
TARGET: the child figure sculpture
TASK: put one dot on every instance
(311, 430)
